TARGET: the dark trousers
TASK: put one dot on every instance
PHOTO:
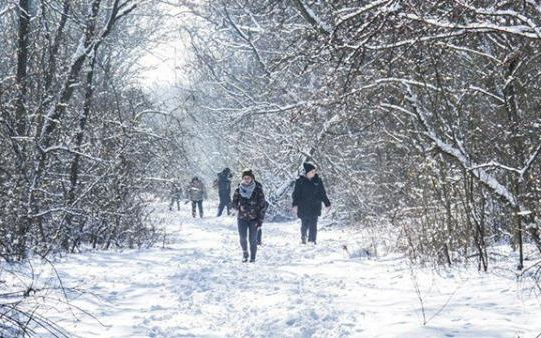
(259, 234)
(173, 200)
(200, 207)
(309, 224)
(223, 204)
(247, 231)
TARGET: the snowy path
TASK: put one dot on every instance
(196, 286)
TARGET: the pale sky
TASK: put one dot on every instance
(163, 64)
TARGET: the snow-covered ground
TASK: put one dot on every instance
(194, 285)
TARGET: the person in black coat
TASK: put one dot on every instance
(308, 195)
(224, 190)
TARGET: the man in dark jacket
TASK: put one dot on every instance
(224, 190)
(250, 202)
(308, 195)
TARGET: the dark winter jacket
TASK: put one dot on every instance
(252, 208)
(308, 196)
(224, 186)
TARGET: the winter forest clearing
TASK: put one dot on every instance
(194, 285)
(401, 136)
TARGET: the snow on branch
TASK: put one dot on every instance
(408, 81)
(118, 11)
(71, 151)
(272, 108)
(321, 135)
(459, 155)
(481, 90)
(313, 19)
(87, 47)
(393, 80)
(534, 4)
(521, 30)
(507, 12)
(494, 164)
(521, 172)
(409, 42)
(470, 51)
(6, 9)
(248, 40)
(530, 161)
(362, 10)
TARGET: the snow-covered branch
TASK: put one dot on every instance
(7, 8)
(413, 41)
(480, 27)
(360, 11)
(248, 40)
(494, 164)
(313, 18)
(462, 158)
(505, 13)
(486, 92)
(528, 165)
(71, 151)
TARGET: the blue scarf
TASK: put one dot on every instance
(247, 190)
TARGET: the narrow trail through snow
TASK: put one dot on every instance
(196, 286)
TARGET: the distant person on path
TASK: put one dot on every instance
(224, 190)
(175, 195)
(250, 203)
(196, 192)
(308, 195)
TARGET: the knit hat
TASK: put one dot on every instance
(308, 167)
(248, 172)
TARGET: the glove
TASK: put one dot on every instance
(258, 226)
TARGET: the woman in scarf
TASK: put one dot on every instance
(249, 201)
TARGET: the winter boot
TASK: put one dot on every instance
(303, 240)
(252, 260)
(245, 256)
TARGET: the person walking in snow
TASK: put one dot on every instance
(224, 190)
(308, 195)
(249, 201)
(196, 192)
(175, 195)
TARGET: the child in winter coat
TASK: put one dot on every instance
(250, 203)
